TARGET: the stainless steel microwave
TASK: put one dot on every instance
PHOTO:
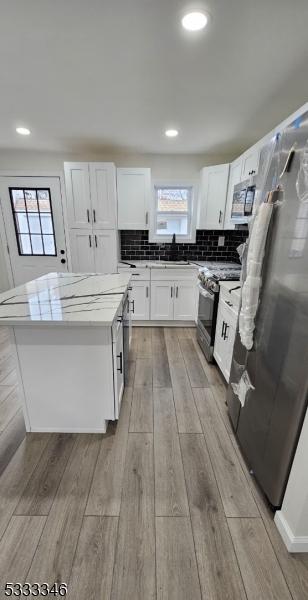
(243, 201)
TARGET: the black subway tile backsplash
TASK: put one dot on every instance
(135, 245)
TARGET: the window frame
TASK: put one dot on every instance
(17, 233)
(188, 238)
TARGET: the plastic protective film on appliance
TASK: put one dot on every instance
(302, 177)
(251, 254)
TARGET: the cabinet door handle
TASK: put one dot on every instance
(176, 292)
(171, 291)
(225, 333)
(94, 215)
(133, 306)
(146, 218)
(147, 291)
(95, 237)
(220, 216)
(90, 241)
(222, 329)
(88, 215)
(120, 368)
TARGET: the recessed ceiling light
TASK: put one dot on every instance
(195, 21)
(171, 132)
(23, 130)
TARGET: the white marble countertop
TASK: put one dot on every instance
(65, 299)
(154, 264)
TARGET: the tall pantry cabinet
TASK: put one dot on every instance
(92, 216)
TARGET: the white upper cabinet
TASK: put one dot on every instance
(103, 195)
(250, 162)
(78, 195)
(134, 197)
(91, 195)
(212, 197)
(235, 177)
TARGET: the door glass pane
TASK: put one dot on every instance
(31, 202)
(49, 245)
(46, 222)
(34, 223)
(22, 222)
(43, 200)
(18, 200)
(37, 244)
(32, 210)
(25, 245)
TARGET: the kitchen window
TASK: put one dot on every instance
(173, 213)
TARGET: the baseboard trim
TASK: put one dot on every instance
(163, 323)
(292, 542)
(101, 429)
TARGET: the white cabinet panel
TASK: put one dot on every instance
(162, 300)
(78, 195)
(105, 251)
(103, 195)
(212, 196)
(118, 370)
(134, 193)
(82, 251)
(224, 338)
(234, 179)
(250, 162)
(184, 301)
(220, 346)
(140, 296)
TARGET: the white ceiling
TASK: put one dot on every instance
(91, 75)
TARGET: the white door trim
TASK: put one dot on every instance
(3, 237)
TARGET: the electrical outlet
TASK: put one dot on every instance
(221, 240)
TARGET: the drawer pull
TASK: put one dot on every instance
(120, 368)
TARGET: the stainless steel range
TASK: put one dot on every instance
(209, 278)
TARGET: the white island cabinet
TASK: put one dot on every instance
(67, 330)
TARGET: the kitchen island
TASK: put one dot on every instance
(67, 332)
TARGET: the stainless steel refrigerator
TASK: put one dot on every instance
(268, 424)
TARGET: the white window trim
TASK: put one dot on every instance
(190, 238)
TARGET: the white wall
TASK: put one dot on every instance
(292, 519)
(163, 166)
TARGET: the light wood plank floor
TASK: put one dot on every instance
(160, 507)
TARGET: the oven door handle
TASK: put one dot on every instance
(205, 293)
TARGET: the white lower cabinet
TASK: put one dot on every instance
(93, 252)
(105, 251)
(225, 332)
(162, 300)
(140, 299)
(184, 301)
(173, 301)
(82, 251)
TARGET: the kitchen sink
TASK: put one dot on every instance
(170, 263)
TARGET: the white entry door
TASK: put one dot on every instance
(34, 226)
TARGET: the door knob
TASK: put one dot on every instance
(63, 261)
